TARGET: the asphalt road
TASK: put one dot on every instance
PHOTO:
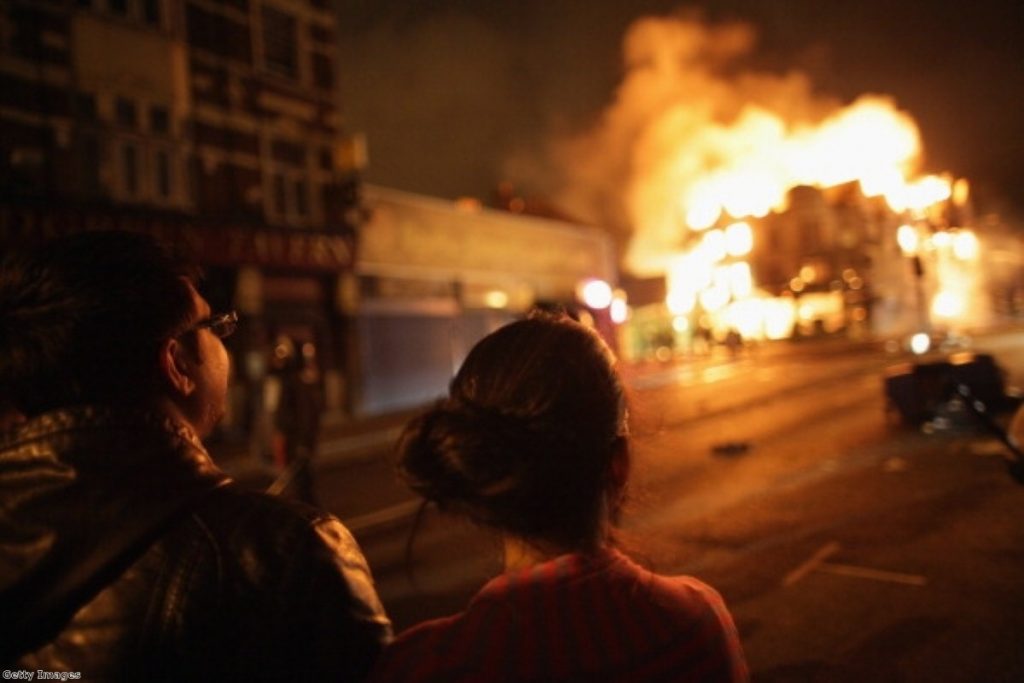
(848, 549)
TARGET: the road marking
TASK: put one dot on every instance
(717, 373)
(388, 514)
(709, 373)
(874, 574)
(816, 562)
(344, 445)
(830, 548)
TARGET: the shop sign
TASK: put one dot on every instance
(229, 246)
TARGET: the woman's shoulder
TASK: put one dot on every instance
(679, 592)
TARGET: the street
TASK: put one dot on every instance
(848, 549)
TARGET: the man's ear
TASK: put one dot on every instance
(176, 367)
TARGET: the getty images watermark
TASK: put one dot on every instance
(40, 675)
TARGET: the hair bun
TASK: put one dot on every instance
(461, 454)
(526, 438)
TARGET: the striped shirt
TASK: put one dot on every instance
(576, 618)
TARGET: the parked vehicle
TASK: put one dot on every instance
(916, 391)
(965, 386)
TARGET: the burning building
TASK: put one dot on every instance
(767, 207)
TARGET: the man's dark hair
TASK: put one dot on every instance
(82, 319)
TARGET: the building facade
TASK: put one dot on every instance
(214, 125)
(434, 276)
(211, 123)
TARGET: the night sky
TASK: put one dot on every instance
(451, 93)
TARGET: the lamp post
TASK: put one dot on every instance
(909, 241)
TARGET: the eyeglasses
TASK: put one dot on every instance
(221, 324)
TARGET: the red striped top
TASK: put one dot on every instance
(576, 618)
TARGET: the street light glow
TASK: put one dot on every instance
(920, 343)
(595, 294)
(619, 311)
(496, 298)
(965, 245)
(906, 237)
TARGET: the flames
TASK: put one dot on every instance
(747, 166)
(693, 141)
(695, 148)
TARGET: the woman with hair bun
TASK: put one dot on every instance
(532, 442)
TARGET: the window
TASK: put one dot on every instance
(159, 120)
(163, 174)
(126, 113)
(290, 153)
(151, 11)
(280, 43)
(280, 195)
(301, 198)
(129, 169)
(85, 106)
(323, 71)
(219, 34)
(90, 160)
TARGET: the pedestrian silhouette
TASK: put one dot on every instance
(297, 417)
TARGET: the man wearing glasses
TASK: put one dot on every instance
(125, 553)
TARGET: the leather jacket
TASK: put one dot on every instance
(125, 554)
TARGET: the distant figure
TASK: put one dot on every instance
(532, 442)
(125, 553)
(297, 415)
(703, 340)
(733, 342)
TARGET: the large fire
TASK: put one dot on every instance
(694, 148)
(707, 145)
